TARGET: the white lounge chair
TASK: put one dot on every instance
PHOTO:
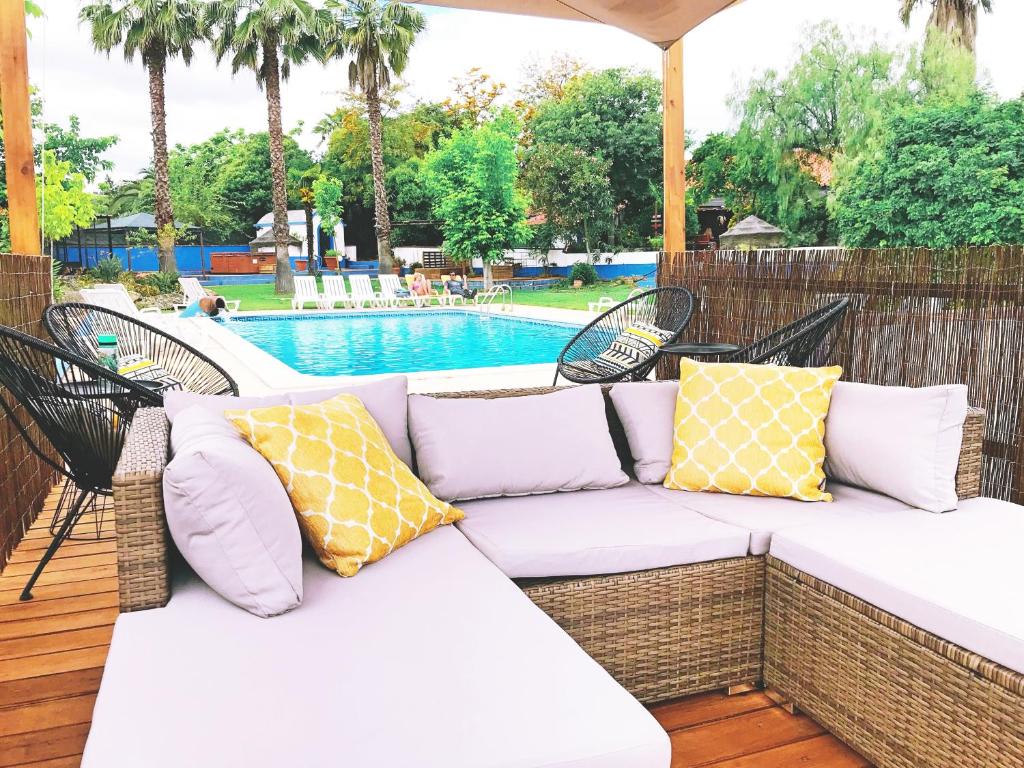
(602, 304)
(194, 291)
(305, 292)
(362, 292)
(390, 286)
(334, 291)
(115, 296)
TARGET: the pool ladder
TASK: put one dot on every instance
(499, 296)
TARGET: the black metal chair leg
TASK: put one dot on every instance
(70, 518)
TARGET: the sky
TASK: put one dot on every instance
(110, 96)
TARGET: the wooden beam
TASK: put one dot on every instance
(17, 128)
(675, 158)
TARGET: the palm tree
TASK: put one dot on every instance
(268, 37)
(155, 31)
(378, 34)
(958, 19)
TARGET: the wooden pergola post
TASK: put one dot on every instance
(17, 129)
(674, 148)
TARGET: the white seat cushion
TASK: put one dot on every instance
(430, 657)
(615, 530)
(955, 575)
(763, 516)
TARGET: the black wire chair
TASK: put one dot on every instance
(82, 409)
(75, 327)
(669, 309)
(798, 344)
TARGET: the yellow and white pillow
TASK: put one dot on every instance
(355, 500)
(754, 430)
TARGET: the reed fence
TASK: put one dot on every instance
(918, 317)
(24, 478)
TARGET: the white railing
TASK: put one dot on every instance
(499, 296)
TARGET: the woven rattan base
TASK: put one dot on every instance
(901, 696)
(667, 632)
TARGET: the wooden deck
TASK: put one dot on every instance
(52, 651)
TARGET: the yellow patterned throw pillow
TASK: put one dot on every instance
(756, 430)
(355, 500)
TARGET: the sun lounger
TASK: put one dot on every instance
(114, 296)
(194, 291)
(305, 292)
(390, 290)
(362, 292)
(334, 292)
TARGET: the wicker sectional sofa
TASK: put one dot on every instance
(900, 695)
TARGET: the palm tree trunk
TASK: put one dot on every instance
(958, 21)
(311, 266)
(156, 62)
(380, 192)
(283, 280)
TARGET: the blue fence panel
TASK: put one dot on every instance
(192, 260)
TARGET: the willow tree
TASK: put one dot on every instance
(378, 35)
(957, 19)
(268, 37)
(155, 31)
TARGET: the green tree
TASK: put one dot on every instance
(571, 188)
(615, 116)
(268, 37)
(378, 35)
(956, 19)
(62, 199)
(155, 31)
(473, 178)
(84, 153)
(948, 174)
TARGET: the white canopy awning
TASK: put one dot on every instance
(659, 21)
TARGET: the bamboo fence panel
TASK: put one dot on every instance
(918, 317)
(24, 479)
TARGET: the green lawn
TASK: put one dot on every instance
(262, 297)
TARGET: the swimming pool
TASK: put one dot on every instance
(401, 342)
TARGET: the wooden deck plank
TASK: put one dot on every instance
(30, 689)
(707, 708)
(62, 606)
(43, 645)
(824, 750)
(44, 744)
(739, 736)
(63, 622)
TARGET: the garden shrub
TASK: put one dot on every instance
(163, 282)
(583, 272)
(107, 270)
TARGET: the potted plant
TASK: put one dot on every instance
(301, 264)
(398, 265)
(330, 260)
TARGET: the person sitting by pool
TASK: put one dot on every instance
(454, 287)
(207, 306)
(420, 286)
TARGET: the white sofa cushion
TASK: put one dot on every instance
(472, 448)
(764, 516)
(230, 517)
(429, 658)
(617, 530)
(899, 441)
(955, 575)
(385, 399)
(647, 412)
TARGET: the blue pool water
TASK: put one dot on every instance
(401, 342)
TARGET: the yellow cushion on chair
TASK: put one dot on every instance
(755, 430)
(356, 501)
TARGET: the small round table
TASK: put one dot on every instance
(699, 349)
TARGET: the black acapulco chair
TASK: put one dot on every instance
(798, 344)
(669, 309)
(83, 409)
(75, 327)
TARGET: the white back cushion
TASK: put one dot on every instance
(899, 441)
(647, 412)
(230, 517)
(471, 448)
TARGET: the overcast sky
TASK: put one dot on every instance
(110, 95)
